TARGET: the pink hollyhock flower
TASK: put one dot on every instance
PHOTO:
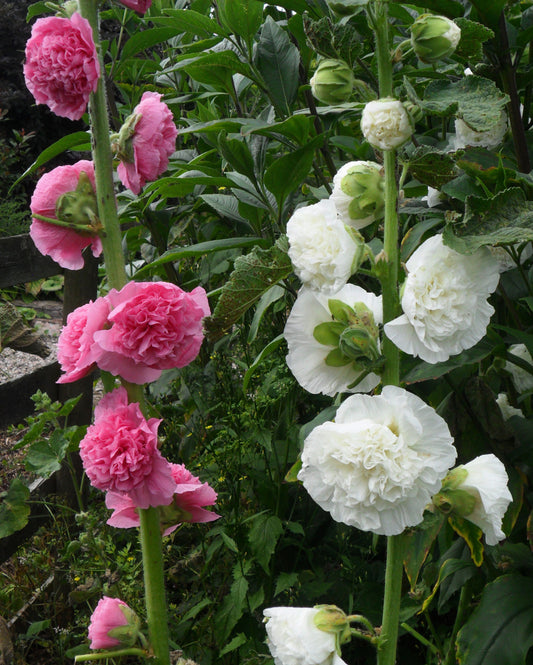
(120, 453)
(113, 623)
(64, 245)
(75, 343)
(154, 326)
(146, 141)
(190, 497)
(140, 6)
(62, 68)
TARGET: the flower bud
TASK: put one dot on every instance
(331, 619)
(386, 124)
(79, 206)
(434, 37)
(113, 624)
(333, 82)
(359, 193)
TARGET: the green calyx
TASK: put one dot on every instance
(331, 619)
(78, 209)
(354, 335)
(434, 37)
(333, 82)
(453, 499)
(365, 185)
(122, 143)
(172, 515)
(129, 634)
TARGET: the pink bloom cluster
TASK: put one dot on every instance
(120, 453)
(188, 504)
(62, 68)
(140, 6)
(135, 333)
(109, 614)
(64, 245)
(152, 142)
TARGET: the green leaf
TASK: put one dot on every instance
(242, 17)
(237, 153)
(231, 610)
(471, 533)
(431, 167)
(227, 205)
(268, 349)
(425, 371)
(252, 276)
(418, 544)
(278, 61)
(78, 141)
(296, 128)
(448, 568)
(14, 509)
(476, 100)
(503, 219)
(489, 12)
(45, 456)
(285, 581)
(187, 20)
(268, 298)
(449, 8)
(216, 69)
(263, 536)
(235, 643)
(285, 174)
(500, 631)
(145, 39)
(472, 37)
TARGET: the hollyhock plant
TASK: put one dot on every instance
(386, 124)
(66, 193)
(295, 639)
(145, 142)
(61, 68)
(76, 340)
(308, 358)
(322, 251)
(113, 624)
(188, 504)
(445, 301)
(478, 492)
(119, 453)
(378, 465)
(152, 326)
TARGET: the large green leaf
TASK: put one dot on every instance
(504, 219)
(449, 567)
(473, 35)
(263, 536)
(216, 69)
(145, 39)
(431, 167)
(490, 11)
(241, 17)
(253, 275)
(45, 456)
(278, 61)
(474, 99)
(14, 509)
(187, 20)
(500, 631)
(418, 543)
(285, 174)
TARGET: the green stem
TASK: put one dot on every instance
(109, 654)
(154, 584)
(423, 640)
(103, 164)
(391, 602)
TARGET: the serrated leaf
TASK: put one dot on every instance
(278, 60)
(478, 101)
(263, 537)
(504, 219)
(472, 534)
(45, 456)
(14, 509)
(473, 35)
(285, 581)
(500, 631)
(252, 276)
(232, 609)
(431, 167)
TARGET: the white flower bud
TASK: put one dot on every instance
(359, 193)
(386, 124)
(434, 37)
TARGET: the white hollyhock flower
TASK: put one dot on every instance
(294, 639)
(359, 193)
(522, 379)
(434, 197)
(487, 483)
(444, 301)
(320, 248)
(378, 465)
(386, 124)
(307, 357)
(508, 410)
(492, 138)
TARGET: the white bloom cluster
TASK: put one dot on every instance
(386, 124)
(307, 357)
(490, 139)
(320, 248)
(378, 465)
(294, 639)
(444, 301)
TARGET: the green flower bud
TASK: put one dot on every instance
(434, 37)
(452, 499)
(79, 207)
(331, 619)
(359, 193)
(333, 82)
